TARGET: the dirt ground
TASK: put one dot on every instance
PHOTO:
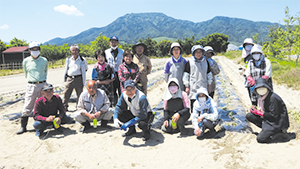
(106, 148)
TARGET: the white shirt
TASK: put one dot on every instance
(74, 66)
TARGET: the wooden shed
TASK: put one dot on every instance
(15, 54)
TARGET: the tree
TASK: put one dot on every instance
(17, 42)
(187, 44)
(127, 47)
(151, 50)
(296, 44)
(255, 38)
(289, 28)
(51, 52)
(217, 41)
(2, 46)
(163, 48)
(85, 50)
(101, 42)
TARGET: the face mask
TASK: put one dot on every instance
(262, 91)
(248, 47)
(35, 53)
(202, 99)
(173, 89)
(114, 48)
(256, 56)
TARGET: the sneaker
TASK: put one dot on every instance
(85, 128)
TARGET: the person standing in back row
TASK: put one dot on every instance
(144, 64)
(214, 68)
(197, 74)
(258, 67)
(246, 55)
(114, 56)
(75, 74)
(35, 69)
(174, 67)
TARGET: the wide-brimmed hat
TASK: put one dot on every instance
(249, 41)
(174, 44)
(261, 82)
(256, 48)
(139, 44)
(195, 47)
(209, 49)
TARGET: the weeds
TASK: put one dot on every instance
(284, 71)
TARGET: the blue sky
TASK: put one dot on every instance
(42, 20)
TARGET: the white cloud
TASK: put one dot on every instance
(69, 10)
(4, 26)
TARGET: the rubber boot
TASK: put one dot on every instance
(131, 131)
(24, 121)
(146, 131)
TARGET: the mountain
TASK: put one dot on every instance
(131, 27)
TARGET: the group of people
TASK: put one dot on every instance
(119, 80)
(268, 111)
(117, 75)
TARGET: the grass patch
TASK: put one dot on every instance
(295, 115)
(284, 71)
(234, 55)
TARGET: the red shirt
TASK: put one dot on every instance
(44, 108)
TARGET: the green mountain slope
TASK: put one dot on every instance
(130, 27)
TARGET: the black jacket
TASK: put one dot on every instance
(276, 115)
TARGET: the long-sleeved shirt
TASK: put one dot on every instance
(93, 104)
(127, 72)
(35, 69)
(144, 64)
(77, 67)
(268, 67)
(139, 105)
(44, 108)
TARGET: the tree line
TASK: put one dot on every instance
(158, 49)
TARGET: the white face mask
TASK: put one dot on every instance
(262, 91)
(35, 53)
(256, 56)
(202, 99)
(114, 48)
(248, 47)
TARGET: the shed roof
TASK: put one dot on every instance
(16, 49)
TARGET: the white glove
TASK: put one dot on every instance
(117, 123)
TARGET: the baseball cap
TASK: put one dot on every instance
(47, 87)
(129, 83)
(114, 38)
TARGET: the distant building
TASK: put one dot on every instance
(231, 47)
(14, 54)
